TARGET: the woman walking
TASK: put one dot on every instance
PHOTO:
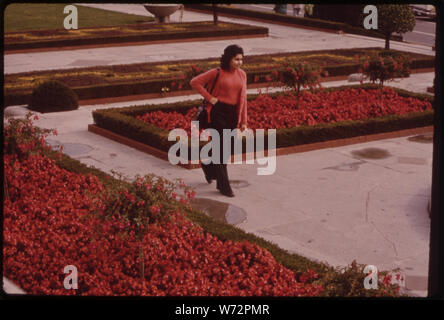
(228, 102)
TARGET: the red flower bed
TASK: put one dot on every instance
(309, 108)
(48, 225)
(170, 120)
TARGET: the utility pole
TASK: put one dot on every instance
(215, 13)
(436, 253)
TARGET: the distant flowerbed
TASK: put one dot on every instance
(290, 110)
(54, 218)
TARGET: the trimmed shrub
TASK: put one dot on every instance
(300, 74)
(393, 18)
(349, 282)
(53, 96)
(23, 139)
(386, 68)
(184, 79)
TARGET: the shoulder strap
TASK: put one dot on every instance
(209, 107)
(215, 80)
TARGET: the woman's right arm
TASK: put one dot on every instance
(199, 81)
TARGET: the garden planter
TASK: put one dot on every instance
(313, 122)
(152, 78)
(134, 33)
(162, 12)
(163, 155)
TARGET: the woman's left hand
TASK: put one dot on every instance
(243, 127)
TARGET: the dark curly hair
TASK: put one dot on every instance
(229, 53)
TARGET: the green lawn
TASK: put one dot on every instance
(39, 16)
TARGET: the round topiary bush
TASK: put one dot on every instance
(52, 96)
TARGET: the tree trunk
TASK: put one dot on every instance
(214, 14)
(387, 41)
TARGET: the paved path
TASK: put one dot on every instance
(330, 205)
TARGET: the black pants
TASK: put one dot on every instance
(223, 116)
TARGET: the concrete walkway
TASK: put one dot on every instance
(334, 205)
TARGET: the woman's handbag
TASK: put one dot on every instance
(202, 113)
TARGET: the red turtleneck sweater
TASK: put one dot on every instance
(231, 88)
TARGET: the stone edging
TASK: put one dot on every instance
(189, 92)
(11, 288)
(177, 93)
(236, 16)
(279, 152)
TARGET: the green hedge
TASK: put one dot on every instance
(155, 86)
(123, 122)
(309, 22)
(53, 96)
(287, 137)
(104, 90)
(101, 91)
(173, 35)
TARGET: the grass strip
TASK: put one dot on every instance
(127, 33)
(42, 16)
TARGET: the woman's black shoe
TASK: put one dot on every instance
(209, 180)
(227, 193)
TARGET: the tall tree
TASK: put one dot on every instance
(392, 18)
